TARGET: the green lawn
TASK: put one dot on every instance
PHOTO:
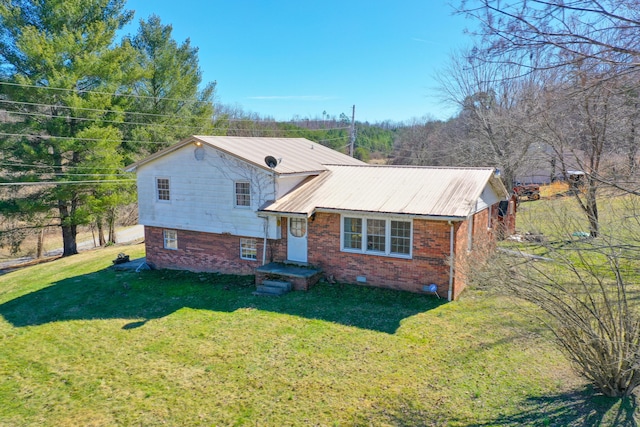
(85, 345)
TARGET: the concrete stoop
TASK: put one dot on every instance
(273, 288)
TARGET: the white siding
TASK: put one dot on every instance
(488, 198)
(287, 183)
(202, 194)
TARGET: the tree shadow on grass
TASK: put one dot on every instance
(110, 294)
(578, 408)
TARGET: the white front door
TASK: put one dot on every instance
(297, 240)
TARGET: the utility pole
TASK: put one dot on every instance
(352, 131)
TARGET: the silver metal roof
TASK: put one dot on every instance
(424, 191)
(295, 155)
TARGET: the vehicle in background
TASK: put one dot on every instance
(528, 191)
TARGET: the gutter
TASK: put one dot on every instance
(451, 261)
(400, 215)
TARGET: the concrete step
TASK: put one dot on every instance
(277, 284)
(272, 288)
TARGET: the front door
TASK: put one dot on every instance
(297, 240)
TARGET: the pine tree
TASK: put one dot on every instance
(60, 67)
(168, 90)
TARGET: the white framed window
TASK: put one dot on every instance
(352, 233)
(401, 237)
(298, 227)
(170, 239)
(163, 190)
(489, 219)
(248, 249)
(377, 236)
(242, 194)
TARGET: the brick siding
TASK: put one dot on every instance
(199, 251)
(429, 263)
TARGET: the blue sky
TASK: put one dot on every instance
(300, 58)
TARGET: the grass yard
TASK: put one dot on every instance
(85, 345)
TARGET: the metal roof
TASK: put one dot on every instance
(295, 155)
(424, 191)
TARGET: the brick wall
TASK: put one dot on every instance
(429, 263)
(198, 251)
(483, 242)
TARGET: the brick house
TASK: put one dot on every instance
(242, 205)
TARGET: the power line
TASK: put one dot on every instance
(81, 139)
(88, 119)
(96, 181)
(32, 165)
(208, 121)
(147, 142)
(97, 110)
(124, 95)
(85, 174)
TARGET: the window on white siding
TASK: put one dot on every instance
(170, 239)
(377, 236)
(248, 249)
(163, 190)
(243, 194)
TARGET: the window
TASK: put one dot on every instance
(401, 237)
(170, 239)
(243, 194)
(353, 233)
(298, 227)
(162, 186)
(248, 249)
(377, 236)
(489, 216)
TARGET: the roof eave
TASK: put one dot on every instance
(359, 212)
(134, 166)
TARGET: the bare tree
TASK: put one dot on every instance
(497, 107)
(563, 32)
(585, 292)
(587, 52)
(425, 142)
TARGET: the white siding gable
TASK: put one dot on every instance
(488, 198)
(202, 193)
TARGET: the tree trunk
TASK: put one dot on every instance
(101, 241)
(591, 207)
(39, 248)
(69, 231)
(111, 220)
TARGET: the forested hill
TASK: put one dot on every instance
(372, 140)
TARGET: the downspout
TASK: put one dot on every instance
(266, 220)
(451, 261)
(264, 245)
